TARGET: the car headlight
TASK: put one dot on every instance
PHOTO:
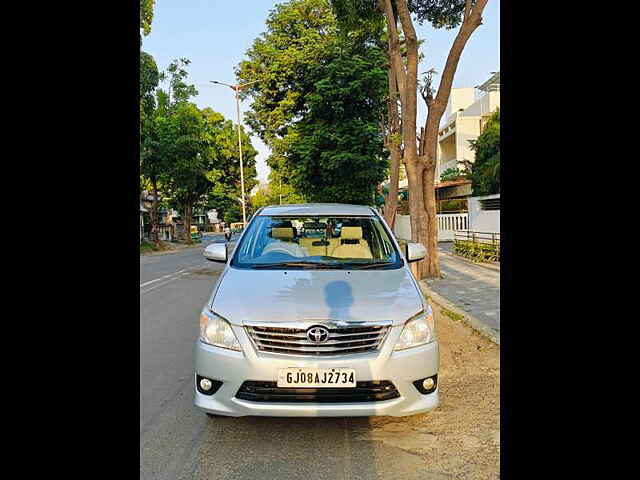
(215, 330)
(419, 330)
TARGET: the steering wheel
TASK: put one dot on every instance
(276, 255)
(277, 249)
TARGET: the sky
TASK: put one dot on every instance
(215, 34)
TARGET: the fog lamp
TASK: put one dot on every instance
(427, 384)
(205, 384)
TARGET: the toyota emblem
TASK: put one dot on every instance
(318, 335)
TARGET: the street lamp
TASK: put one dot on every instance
(237, 88)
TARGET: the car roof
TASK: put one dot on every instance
(319, 209)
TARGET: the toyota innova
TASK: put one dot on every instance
(316, 313)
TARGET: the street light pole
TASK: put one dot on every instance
(244, 213)
(236, 89)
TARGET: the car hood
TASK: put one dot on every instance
(297, 295)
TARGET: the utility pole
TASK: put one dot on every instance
(236, 89)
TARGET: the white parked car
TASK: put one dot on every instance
(316, 313)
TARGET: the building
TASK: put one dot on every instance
(464, 119)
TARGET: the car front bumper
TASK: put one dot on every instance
(233, 368)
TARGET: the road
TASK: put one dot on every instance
(177, 441)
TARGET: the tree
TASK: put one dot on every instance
(318, 101)
(274, 194)
(453, 173)
(187, 163)
(338, 154)
(225, 194)
(151, 165)
(149, 78)
(146, 15)
(485, 170)
(156, 145)
(419, 154)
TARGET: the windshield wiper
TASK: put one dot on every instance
(362, 266)
(295, 264)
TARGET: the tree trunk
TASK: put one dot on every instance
(409, 100)
(188, 211)
(432, 265)
(472, 19)
(154, 213)
(391, 202)
(417, 212)
(391, 141)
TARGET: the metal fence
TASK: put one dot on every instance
(477, 246)
(166, 232)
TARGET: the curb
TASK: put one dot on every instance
(470, 320)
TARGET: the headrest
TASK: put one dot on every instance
(351, 233)
(282, 232)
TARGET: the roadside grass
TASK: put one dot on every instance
(452, 315)
(149, 247)
(146, 247)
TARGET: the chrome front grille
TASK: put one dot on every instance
(294, 341)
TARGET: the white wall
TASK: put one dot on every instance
(485, 105)
(447, 224)
(483, 220)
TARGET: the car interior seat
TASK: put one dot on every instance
(285, 236)
(352, 244)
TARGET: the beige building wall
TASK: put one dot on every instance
(464, 118)
(460, 98)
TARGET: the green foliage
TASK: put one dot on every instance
(338, 155)
(149, 77)
(453, 205)
(452, 173)
(318, 102)
(181, 135)
(477, 251)
(272, 193)
(146, 15)
(485, 171)
(224, 173)
(179, 90)
(439, 13)
(193, 153)
(301, 34)
(146, 247)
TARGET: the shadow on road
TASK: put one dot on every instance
(294, 448)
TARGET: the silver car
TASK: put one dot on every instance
(316, 314)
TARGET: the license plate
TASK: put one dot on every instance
(316, 377)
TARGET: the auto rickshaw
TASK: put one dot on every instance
(196, 236)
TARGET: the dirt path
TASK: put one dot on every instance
(461, 439)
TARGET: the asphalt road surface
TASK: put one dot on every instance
(177, 441)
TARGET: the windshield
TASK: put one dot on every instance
(316, 242)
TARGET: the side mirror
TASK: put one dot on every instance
(216, 252)
(415, 252)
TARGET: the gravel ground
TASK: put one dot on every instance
(460, 439)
